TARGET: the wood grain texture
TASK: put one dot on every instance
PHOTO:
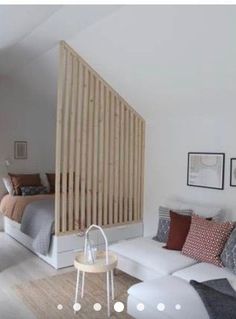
(99, 150)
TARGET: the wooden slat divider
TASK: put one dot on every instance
(99, 151)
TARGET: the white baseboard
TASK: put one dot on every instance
(63, 249)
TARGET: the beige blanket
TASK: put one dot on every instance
(13, 206)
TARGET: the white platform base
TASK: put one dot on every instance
(64, 248)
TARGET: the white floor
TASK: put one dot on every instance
(17, 265)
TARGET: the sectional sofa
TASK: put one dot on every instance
(164, 291)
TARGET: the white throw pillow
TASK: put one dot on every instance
(44, 181)
(8, 184)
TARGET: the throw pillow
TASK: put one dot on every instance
(20, 180)
(179, 228)
(8, 184)
(206, 240)
(228, 256)
(33, 190)
(164, 222)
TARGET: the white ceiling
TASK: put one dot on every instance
(28, 31)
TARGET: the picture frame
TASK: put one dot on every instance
(20, 150)
(206, 170)
(233, 172)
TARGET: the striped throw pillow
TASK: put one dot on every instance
(164, 222)
(206, 240)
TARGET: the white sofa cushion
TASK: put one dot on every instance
(170, 291)
(150, 254)
(204, 271)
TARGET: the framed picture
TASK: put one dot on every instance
(20, 150)
(206, 170)
(233, 172)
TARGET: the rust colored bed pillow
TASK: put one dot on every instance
(179, 228)
(21, 180)
(51, 180)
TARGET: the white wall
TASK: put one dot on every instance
(176, 65)
(28, 113)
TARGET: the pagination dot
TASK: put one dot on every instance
(77, 306)
(97, 307)
(161, 306)
(140, 307)
(178, 307)
(59, 307)
(119, 306)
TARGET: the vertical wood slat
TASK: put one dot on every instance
(126, 166)
(60, 108)
(101, 153)
(90, 150)
(135, 179)
(106, 156)
(116, 159)
(131, 172)
(84, 146)
(142, 166)
(65, 143)
(139, 163)
(121, 164)
(95, 153)
(79, 223)
(71, 152)
(111, 159)
(99, 150)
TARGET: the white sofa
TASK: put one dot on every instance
(165, 275)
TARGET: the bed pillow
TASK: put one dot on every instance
(206, 240)
(51, 180)
(8, 185)
(20, 180)
(228, 256)
(33, 190)
(179, 228)
(164, 222)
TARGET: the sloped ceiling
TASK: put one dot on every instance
(27, 32)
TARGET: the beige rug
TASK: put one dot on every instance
(43, 296)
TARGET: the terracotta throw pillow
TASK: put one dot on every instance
(21, 180)
(179, 228)
(206, 240)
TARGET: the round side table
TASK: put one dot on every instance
(105, 262)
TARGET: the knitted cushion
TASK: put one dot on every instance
(206, 240)
(164, 222)
(228, 255)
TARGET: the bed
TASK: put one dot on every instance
(35, 216)
(28, 213)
